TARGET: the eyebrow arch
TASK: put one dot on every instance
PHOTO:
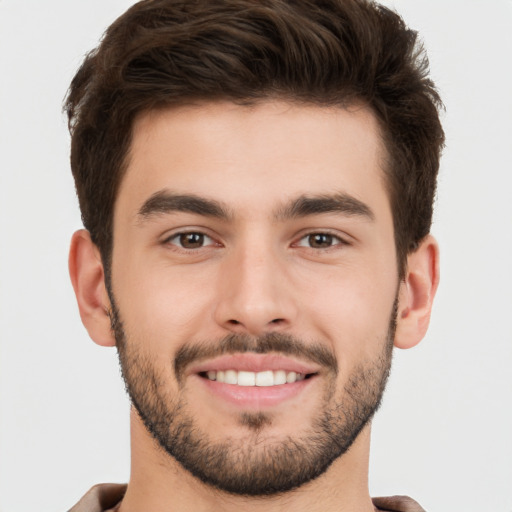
(314, 205)
(163, 202)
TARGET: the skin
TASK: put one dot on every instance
(256, 273)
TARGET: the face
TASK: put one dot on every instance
(254, 287)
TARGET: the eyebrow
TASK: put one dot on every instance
(163, 202)
(315, 205)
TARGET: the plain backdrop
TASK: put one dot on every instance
(444, 433)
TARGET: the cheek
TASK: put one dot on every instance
(351, 308)
(162, 306)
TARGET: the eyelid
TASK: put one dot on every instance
(341, 240)
(167, 239)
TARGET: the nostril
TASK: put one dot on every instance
(275, 322)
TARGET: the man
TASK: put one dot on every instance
(256, 182)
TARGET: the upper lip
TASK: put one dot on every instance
(252, 362)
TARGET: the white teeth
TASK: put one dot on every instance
(279, 377)
(231, 377)
(246, 378)
(291, 377)
(266, 378)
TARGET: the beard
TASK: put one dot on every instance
(256, 464)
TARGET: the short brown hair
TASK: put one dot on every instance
(162, 53)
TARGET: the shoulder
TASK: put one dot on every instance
(397, 504)
(100, 498)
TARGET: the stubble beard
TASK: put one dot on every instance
(256, 464)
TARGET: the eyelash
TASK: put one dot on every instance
(179, 243)
(334, 240)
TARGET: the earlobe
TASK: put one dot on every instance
(416, 294)
(88, 279)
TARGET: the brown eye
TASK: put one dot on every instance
(191, 240)
(320, 240)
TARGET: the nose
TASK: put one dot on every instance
(255, 293)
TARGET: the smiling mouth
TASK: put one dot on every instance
(266, 378)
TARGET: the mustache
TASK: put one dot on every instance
(282, 343)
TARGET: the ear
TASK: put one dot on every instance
(88, 279)
(416, 294)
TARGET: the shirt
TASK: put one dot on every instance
(106, 498)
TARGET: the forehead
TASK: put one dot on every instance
(272, 151)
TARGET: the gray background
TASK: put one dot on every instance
(444, 433)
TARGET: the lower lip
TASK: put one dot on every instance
(256, 397)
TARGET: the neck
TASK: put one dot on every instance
(158, 482)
